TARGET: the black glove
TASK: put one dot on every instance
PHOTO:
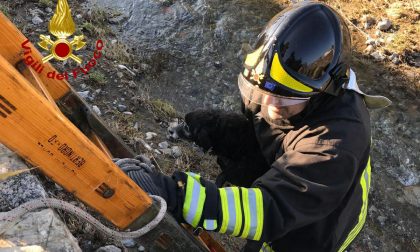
(142, 172)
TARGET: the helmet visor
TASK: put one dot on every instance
(256, 95)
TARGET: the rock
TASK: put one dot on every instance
(150, 135)
(96, 110)
(176, 151)
(157, 152)
(37, 20)
(141, 249)
(120, 75)
(78, 16)
(368, 21)
(122, 67)
(370, 41)
(48, 9)
(129, 243)
(109, 248)
(218, 64)
(36, 228)
(145, 145)
(384, 24)
(121, 108)
(395, 58)
(166, 151)
(378, 33)
(136, 126)
(84, 94)
(412, 195)
(163, 145)
(369, 49)
(83, 86)
(382, 219)
(378, 56)
(128, 113)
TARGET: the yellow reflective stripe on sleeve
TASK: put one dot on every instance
(238, 212)
(260, 215)
(210, 224)
(225, 211)
(365, 184)
(195, 196)
(280, 75)
(231, 210)
(266, 248)
(247, 215)
(253, 213)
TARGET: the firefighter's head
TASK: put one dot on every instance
(303, 51)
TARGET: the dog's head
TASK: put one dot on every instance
(202, 126)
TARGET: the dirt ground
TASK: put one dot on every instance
(193, 63)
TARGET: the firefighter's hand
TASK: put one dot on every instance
(142, 172)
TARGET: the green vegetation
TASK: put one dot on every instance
(46, 3)
(161, 108)
(97, 78)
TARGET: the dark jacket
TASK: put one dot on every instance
(315, 197)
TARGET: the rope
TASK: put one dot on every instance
(9, 218)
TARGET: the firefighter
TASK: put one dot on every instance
(312, 125)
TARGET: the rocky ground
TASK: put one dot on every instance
(167, 57)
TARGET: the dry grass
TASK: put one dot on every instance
(404, 16)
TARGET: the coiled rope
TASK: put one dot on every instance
(9, 218)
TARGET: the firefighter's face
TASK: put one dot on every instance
(276, 112)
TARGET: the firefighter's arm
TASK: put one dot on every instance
(301, 188)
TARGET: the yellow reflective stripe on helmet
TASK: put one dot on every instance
(365, 183)
(280, 75)
(195, 196)
(251, 59)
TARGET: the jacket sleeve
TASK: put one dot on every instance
(301, 187)
(304, 186)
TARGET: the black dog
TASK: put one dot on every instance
(231, 137)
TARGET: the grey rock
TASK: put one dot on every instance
(150, 135)
(412, 195)
(384, 24)
(368, 21)
(369, 49)
(96, 110)
(382, 219)
(122, 108)
(129, 243)
(136, 126)
(166, 151)
(141, 249)
(84, 94)
(109, 248)
(157, 152)
(378, 56)
(48, 9)
(176, 151)
(83, 86)
(120, 75)
(37, 20)
(38, 228)
(370, 41)
(128, 113)
(163, 145)
(78, 16)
